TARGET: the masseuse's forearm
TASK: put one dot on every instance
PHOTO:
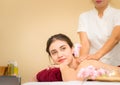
(111, 42)
(85, 45)
(84, 50)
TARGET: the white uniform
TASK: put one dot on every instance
(99, 30)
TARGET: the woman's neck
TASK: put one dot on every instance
(74, 64)
(101, 11)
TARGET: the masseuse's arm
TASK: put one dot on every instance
(109, 45)
(85, 45)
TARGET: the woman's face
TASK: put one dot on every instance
(101, 3)
(61, 52)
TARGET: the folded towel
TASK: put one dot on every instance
(49, 75)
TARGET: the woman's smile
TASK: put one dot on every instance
(61, 60)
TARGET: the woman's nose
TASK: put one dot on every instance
(60, 54)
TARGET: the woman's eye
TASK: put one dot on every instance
(63, 48)
(53, 53)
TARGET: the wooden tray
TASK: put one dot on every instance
(107, 79)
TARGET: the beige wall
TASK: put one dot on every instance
(25, 26)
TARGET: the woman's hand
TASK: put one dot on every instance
(53, 66)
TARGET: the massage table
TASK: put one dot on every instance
(73, 83)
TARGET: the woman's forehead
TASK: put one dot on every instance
(57, 44)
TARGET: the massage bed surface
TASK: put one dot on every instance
(73, 83)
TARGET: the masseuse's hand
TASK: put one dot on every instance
(93, 57)
(81, 58)
(88, 57)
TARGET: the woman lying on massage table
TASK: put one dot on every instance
(61, 50)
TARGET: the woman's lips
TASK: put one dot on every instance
(98, 1)
(61, 60)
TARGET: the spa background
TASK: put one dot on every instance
(25, 26)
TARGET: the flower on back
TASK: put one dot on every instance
(91, 72)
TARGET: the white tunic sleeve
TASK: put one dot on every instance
(82, 26)
(117, 19)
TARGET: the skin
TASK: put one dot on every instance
(100, 5)
(62, 55)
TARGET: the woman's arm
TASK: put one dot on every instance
(68, 74)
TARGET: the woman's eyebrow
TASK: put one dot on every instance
(62, 46)
(53, 50)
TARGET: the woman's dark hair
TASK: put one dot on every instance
(59, 36)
